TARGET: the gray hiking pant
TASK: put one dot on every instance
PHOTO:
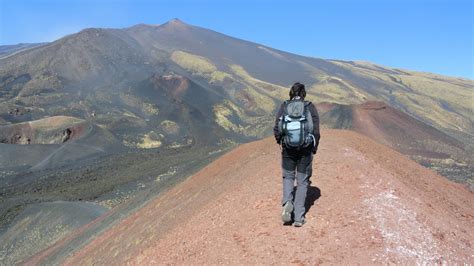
(296, 165)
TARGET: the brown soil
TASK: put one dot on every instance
(405, 134)
(174, 85)
(325, 106)
(375, 206)
(392, 127)
(50, 130)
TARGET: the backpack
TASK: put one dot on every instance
(296, 124)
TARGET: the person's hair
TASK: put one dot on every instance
(297, 90)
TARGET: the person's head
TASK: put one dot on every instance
(297, 90)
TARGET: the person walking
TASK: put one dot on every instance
(297, 131)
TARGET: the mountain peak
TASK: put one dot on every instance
(176, 21)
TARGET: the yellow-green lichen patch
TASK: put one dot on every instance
(219, 76)
(169, 127)
(135, 102)
(240, 71)
(435, 114)
(251, 126)
(263, 93)
(150, 109)
(184, 143)
(223, 113)
(337, 90)
(149, 140)
(193, 62)
(199, 65)
(443, 102)
(261, 100)
(130, 114)
(171, 171)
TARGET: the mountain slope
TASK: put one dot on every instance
(7, 50)
(95, 65)
(437, 100)
(367, 204)
(40, 224)
(389, 126)
(175, 84)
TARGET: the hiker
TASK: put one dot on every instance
(297, 131)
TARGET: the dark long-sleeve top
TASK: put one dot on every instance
(314, 115)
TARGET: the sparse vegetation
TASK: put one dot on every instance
(232, 118)
(193, 62)
(223, 113)
(150, 141)
(169, 127)
(441, 101)
(150, 109)
(264, 99)
(199, 65)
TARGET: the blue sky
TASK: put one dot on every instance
(425, 35)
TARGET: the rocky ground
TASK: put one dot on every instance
(367, 204)
(122, 181)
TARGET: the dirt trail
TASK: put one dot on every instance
(370, 204)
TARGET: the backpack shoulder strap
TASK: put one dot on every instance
(285, 104)
(309, 117)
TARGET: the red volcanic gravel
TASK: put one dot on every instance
(376, 206)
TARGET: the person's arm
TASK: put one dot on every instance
(276, 130)
(315, 117)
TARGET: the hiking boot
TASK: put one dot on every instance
(299, 223)
(287, 210)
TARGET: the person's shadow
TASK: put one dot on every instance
(313, 194)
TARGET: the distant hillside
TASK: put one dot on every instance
(389, 126)
(6, 50)
(175, 84)
(93, 69)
